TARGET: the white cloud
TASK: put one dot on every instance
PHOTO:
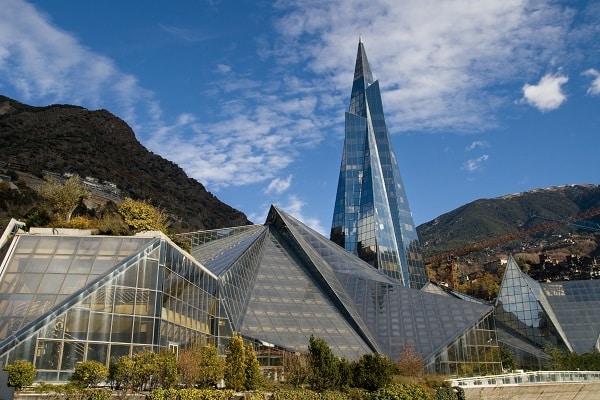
(185, 34)
(477, 144)
(295, 207)
(437, 62)
(279, 185)
(475, 163)
(255, 135)
(594, 88)
(223, 68)
(548, 94)
(47, 65)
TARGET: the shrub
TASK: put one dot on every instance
(445, 393)
(21, 373)
(402, 391)
(89, 373)
(81, 222)
(301, 394)
(373, 371)
(190, 394)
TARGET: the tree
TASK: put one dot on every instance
(146, 367)
(188, 364)
(556, 359)
(167, 375)
(296, 368)
(410, 362)
(508, 358)
(200, 366)
(323, 365)
(142, 216)
(346, 374)
(63, 198)
(89, 373)
(235, 374)
(252, 369)
(211, 367)
(21, 373)
(122, 373)
(373, 371)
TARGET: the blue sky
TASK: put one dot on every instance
(482, 98)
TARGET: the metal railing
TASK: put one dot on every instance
(528, 378)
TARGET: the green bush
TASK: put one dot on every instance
(333, 395)
(190, 394)
(97, 394)
(89, 373)
(299, 394)
(356, 394)
(373, 371)
(402, 391)
(445, 393)
(73, 392)
(21, 373)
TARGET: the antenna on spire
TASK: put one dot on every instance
(359, 38)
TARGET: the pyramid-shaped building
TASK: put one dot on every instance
(371, 217)
(71, 297)
(561, 314)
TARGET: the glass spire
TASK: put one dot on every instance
(371, 216)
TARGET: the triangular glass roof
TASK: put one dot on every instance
(522, 306)
(304, 284)
(576, 306)
(238, 275)
(217, 249)
(288, 304)
(43, 271)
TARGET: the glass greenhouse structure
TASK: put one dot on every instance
(71, 297)
(561, 314)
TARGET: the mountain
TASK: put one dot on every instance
(65, 138)
(509, 215)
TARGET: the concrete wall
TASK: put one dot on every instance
(565, 391)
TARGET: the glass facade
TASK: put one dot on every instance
(69, 299)
(372, 218)
(304, 284)
(66, 299)
(559, 314)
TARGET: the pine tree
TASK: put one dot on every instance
(211, 368)
(253, 376)
(235, 374)
(324, 372)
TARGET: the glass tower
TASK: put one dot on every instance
(371, 216)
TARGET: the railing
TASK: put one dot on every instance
(12, 228)
(528, 378)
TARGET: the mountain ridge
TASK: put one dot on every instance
(66, 138)
(483, 219)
